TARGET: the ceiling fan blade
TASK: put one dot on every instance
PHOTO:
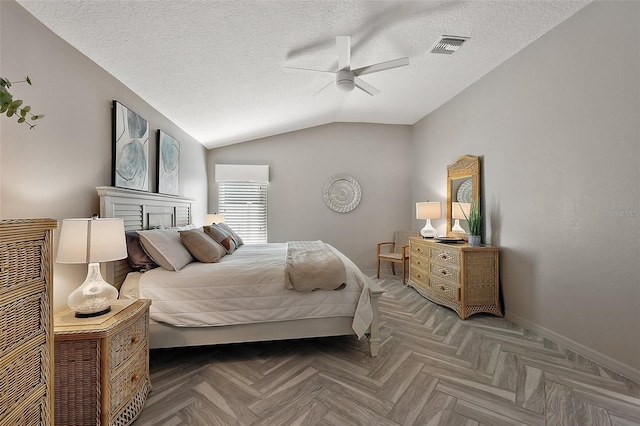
(365, 87)
(382, 66)
(324, 87)
(308, 69)
(343, 45)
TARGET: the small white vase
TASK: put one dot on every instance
(474, 240)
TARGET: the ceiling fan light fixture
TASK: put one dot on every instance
(344, 81)
(448, 44)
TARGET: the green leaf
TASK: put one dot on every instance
(16, 103)
(26, 108)
(4, 107)
(21, 120)
(37, 117)
(28, 80)
(22, 112)
(5, 97)
(10, 112)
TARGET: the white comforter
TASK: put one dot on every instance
(247, 286)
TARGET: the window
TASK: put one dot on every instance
(244, 205)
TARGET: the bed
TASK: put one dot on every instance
(353, 310)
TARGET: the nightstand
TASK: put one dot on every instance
(102, 365)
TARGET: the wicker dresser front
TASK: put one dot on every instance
(26, 331)
(102, 365)
(458, 276)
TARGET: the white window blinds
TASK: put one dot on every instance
(244, 205)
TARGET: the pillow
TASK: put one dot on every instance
(165, 248)
(201, 246)
(137, 257)
(221, 236)
(236, 237)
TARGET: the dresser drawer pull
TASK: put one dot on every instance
(419, 249)
(418, 263)
(444, 256)
(135, 340)
(135, 377)
(443, 288)
(444, 272)
(418, 275)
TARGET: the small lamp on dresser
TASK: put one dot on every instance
(92, 241)
(428, 210)
(460, 211)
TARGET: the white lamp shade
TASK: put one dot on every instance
(461, 210)
(91, 240)
(214, 218)
(428, 210)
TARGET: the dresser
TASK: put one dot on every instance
(458, 276)
(26, 326)
(102, 365)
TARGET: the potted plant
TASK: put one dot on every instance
(475, 223)
(11, 107)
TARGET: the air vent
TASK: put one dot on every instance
(448, 45)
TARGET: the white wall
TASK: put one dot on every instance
(557, 127)
(301, 162)
(53, 169)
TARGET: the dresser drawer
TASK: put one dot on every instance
(445, 272)
(124, 385)
(127, 341)
(420, 262)
(446, 289)
(418, 249)
(23, 317)
(418, 274)
(20, 263)
(445, 256)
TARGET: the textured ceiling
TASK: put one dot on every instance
(215, 68)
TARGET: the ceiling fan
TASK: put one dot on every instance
(346, 78)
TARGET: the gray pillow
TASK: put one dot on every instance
(201, 246)
(165, 248)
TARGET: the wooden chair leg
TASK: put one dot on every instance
(378, 270)
(393, 267)
(404, 281)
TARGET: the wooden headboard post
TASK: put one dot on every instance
(139, 210)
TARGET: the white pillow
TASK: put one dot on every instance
(165, 248)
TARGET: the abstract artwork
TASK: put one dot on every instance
(130, 149)
(168, 164)
(342, 193)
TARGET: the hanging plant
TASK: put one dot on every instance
(13, 107)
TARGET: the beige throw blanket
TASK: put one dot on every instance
(312, 265)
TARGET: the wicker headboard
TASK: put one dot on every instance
(140, 210)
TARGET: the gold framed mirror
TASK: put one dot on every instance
(463, 186)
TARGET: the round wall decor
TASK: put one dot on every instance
(342, 193)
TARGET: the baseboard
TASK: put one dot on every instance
(604, 360)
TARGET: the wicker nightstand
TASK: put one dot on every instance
(102, 365)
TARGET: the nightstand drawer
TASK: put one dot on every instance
(444, 288)
(445, 272)
(126, 342)
(128, 381)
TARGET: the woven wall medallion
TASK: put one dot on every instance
(342, 193)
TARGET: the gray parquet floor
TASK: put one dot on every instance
(433, 369)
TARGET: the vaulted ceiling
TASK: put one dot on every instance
(215, 68)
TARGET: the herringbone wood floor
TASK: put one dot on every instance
(433, 369)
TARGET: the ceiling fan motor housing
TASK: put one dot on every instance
(344, 80)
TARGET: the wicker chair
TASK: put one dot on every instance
(399, 252)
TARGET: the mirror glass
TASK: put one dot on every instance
(463, 186)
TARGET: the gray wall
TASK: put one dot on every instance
(301, 162)
(53, 169)
(557, 127)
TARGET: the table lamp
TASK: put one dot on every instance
(92, 241)
(428, 210)
(460, 211)
(214, 218)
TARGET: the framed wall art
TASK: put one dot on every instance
(130, 149)
(168, 164)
